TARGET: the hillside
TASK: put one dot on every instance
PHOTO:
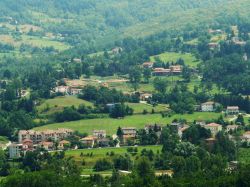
(94, 21)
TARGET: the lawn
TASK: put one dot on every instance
(58, 103)
(138, 121)
(100, 153)
(140, 107)
(188, 58)
(244, 155)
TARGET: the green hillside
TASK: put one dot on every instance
(87, 21)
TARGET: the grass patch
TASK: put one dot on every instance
(138, 121)
(140, 107)
(100, 153)
(188, 58)
(58, 103)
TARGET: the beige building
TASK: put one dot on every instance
(39, 136)
(214, 128)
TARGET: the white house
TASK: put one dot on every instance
(208, 106)
(214, 128)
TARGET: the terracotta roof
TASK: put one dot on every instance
(213, 125)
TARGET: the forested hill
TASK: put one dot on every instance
(92, 20)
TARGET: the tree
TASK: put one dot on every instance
(160, 85)
(147, 74)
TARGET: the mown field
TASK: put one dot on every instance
(188, 58)
(138, 121)
(101, 153)
(58, 103)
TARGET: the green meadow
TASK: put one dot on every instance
(188, 58)
(101, 153)
(137, 121)
(58, 103)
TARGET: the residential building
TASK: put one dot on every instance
(103, 142)
(15, 150)
(246, 137)
(75, 91)
(63, 144)
(39, 136)
(177, 69)
(62, 89)
(233, 110)
(145, 96)
(208, 106)
(214, 128)
(161, 72)
(99, 134)
(131, 131)
(148, 64)
(230, 128)
(89, 141)
(47, 145)
(156, 128)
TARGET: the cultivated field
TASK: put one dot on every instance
(138, 121)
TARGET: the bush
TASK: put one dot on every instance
(102, 165)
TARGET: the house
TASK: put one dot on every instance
(156, 128)
(181, 130)
(117, 50)
(88, 141)
(75, 91)
(233, 110)
(201, 123)
(208, 106)
(245, 57)
(47, 145)
(177, 69)
(161, 72)
(246, 137)
(62, 89)
(99, 134)
(214, 128)
(145, 96)
(103, 142)
(27, 145)
(63, 144)
(129, 131)
(178, 128)
(213, 46)
(15, 150)
(230, 128)
(148, 65)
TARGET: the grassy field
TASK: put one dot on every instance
(58, 103)
(34, 41)
(100, 153)
(138, 121)
(244, 155)
(140, 107)
(188, 58)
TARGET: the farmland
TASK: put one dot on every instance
(138, 121)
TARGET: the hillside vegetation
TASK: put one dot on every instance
(88, 21)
